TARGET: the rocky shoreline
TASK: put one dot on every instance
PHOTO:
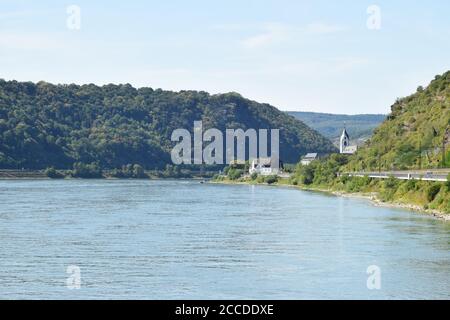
(378, 203)
(372, 197)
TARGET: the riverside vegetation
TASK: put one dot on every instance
(324, 176)
(136, 171)
(414, 136)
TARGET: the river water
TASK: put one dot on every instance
(124, 239)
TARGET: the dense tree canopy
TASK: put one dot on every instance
(45, 125)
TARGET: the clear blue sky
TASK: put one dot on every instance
(297, 55)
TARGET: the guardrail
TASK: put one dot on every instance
(425, 176)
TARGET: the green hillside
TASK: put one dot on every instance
(360, 126)
(414, 135)
(43, 125)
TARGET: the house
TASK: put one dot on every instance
(345, 147)
(237, 164)
(310, 157)
(265, 166)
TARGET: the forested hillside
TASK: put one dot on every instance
(43, 125)
(415, 135)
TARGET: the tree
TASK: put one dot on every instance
(53, 174)
(307, 174)
(168, 171)
(235, 174)
(89, 171)
(138, 171)
(433, 191)
(271, 179)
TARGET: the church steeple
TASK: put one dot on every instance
(345, 140)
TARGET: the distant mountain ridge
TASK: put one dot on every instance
(360, 126)
(43, 125)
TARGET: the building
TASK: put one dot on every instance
(345, 147)
(237, 163)
(265, 167)
(310, 157)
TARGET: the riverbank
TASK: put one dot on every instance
(102, 174)
(22, 174)
(372, 197)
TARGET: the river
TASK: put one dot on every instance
(167, 239)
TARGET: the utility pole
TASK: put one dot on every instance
(379, 163)
(420, 154)
(444, 155)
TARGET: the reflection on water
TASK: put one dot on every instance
(186, 240)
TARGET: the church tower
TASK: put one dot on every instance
(345, 141)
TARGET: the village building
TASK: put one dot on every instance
(308, 158)
(265, 167)
(344, 146)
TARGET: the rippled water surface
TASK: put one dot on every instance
(186, 240)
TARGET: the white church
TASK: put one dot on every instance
(345, 146)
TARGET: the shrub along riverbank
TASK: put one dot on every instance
(323, 175)
(130, 171)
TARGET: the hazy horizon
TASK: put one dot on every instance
(310, 56)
